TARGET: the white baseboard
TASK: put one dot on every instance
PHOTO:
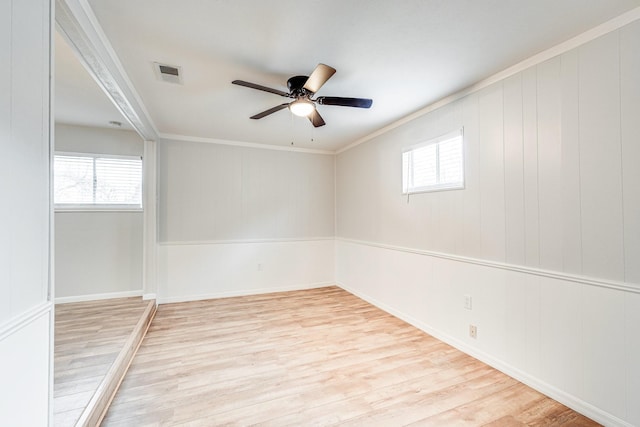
(93, 297)
(243, 292)
(561, 396)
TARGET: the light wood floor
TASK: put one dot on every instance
(316, 357)
(88, 338)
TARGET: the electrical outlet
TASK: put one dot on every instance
(473, 331)
(467, 302)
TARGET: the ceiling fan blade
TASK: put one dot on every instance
(345, 102)
(320, 75)
(316, 119)
(259, 87)
(270, 111)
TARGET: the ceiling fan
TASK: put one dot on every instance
(302, 89)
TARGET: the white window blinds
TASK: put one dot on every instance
(97, 180)
(434, 165)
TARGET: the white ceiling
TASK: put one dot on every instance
(404, 54)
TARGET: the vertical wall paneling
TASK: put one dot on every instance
(570, 167)
(530, 149)
(533, 328)
(549, 164)
(632, 353)
(389, 207)
(630, 134)
(561, 350)
(29, 230)
(6, 160)
(193, 193)
(457, 216)
(435, 239)
(343, 221)
(256, 197)
(24, 369)
(367, 183)
(25, 310)
(600, 151)
(5, 72)
(214, 192)
(223, 169)
(604, 345)
(490, 308)
(630, 129)
(150, 221)
(205, 199)
(348, 196)
(515, 319)
(446, 222)
(471, 243)
(514, 171)
(492, 210)
(169, 191)
(449, 215)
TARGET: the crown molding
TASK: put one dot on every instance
(187, 138)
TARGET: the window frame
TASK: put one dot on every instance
(407, 190)
(98, 207)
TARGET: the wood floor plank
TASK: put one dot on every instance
(314, 357)
(88, 338)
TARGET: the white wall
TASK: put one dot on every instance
(98, 254)
(86, 139)
(545, 237)
(25, 307)
(236, 220)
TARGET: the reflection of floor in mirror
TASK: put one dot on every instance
(88, 338)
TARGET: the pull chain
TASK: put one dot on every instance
(312, 130)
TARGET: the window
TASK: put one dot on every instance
(434, 165)
(97, 181)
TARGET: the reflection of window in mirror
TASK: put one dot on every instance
(97, 180)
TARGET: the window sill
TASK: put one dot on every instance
(433, 190)
(71, 209)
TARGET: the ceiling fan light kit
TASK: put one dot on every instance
(302, 89)
(302, 107)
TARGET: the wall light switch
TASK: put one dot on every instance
(467, 302)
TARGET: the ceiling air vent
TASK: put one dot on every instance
(168, 73)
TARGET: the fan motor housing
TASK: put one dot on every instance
(296, 83)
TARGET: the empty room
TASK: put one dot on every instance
(291, 213)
